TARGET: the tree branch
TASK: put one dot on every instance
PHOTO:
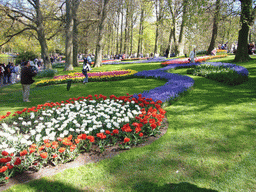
(13, 35)
(32, 3)
(22, 22)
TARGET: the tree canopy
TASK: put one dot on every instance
(131, 27)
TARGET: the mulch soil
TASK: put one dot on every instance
(82, 159)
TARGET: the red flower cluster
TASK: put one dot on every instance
(101, 135)
(126, 128)
(126, 140)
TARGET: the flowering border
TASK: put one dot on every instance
(149, 60)
(100, 77)
(62, 150)
(185, 60)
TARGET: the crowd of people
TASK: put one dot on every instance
(9, 74)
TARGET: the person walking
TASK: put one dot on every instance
(26, 80)
(86, 68)
(192, 56)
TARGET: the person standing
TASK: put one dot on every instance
(192, 56)
(1, 74)
(89, 59)
(26, 80)
(5, 74)
(13, 73)
(18, 70)
(8, 69)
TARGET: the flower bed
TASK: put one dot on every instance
(227, 73)
(149, 60)
(185, 60)
(94, 76)
(134, 59)
(176, 84)
(57, 132)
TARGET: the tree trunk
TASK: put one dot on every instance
(41, 36)
(75, 32)
(98, 57)
(215, 27)
(117, 32)
(44, 49)
(126, 30)
(69, 39)
(131, 39)
(157, 27)
(140, 32)
(180, 45)
(247, 18)
(242, 54)
(170, 43)
(122, 21)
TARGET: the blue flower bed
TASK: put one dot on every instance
(176, 84)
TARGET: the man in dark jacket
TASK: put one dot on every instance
(26, 80)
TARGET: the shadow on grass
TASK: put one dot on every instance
(180, 187)
(47, 186)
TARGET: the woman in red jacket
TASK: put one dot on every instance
(26, 80)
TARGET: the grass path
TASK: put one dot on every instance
(209, 146)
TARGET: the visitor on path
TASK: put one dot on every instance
(26, 80)
(1, 74)
(86, 68)
(18, 70)
(167, 53)
(192, 56)
(5, 74)
(8, 69)
(89, 59)
(13, 73)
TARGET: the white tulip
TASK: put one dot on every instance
(32, 132)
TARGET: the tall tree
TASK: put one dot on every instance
(69, 37)
(178, 9)
(32, 18)
(216, 20)
(99, 45)
(75, 6)
(141, 27)
(247, 17)
(159, 10)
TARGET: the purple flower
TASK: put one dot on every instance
(175, 85)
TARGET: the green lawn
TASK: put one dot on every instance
(209, 144)
(11, 96)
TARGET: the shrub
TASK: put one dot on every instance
(219, 73)
(58, 65)
(202, 52)
(25, 56)
(47, 73)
